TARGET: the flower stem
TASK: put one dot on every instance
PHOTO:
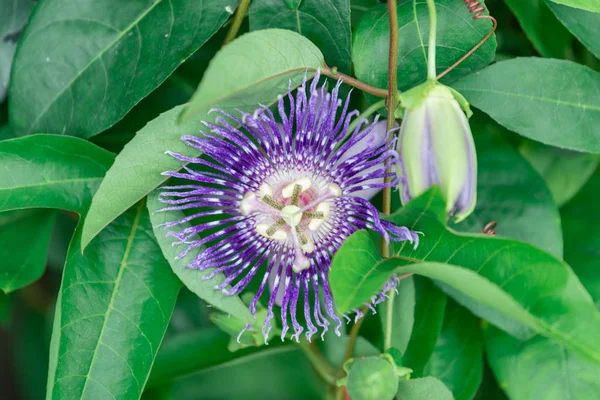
(389, 316)
(335, 74)
(237, 21)
(431, 71)
(366, 114)
(392, 100)
(321, 365)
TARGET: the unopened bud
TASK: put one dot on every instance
(436, 148)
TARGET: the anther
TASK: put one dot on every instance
(265, 190)
(247, 203)
(262, 229)
(273, 228)
(306, 244)
(304, 184)
(335, 189)
(323, 211)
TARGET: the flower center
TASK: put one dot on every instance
(292, 215)
(289, 221)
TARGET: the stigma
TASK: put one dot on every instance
(292, 213)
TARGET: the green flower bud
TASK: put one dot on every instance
(436, 148)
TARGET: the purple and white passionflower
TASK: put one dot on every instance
(287, 194)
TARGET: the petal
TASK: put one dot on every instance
(374, 139)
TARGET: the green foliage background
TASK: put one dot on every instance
(93, 303)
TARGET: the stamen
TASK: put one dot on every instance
(262, 229)
(247, 203)
(306, 244)
(335, 189)
(323, 211)
(288, 191)
(265, 190)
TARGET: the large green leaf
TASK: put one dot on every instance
(552, 101)
(564, 171)
(540, 368)
(400, 313)
(423, 389)
(359, 7)
(275, 373)
(192, 352)
(582, 236)
(542, 28)
(490, 272)
(589, 5)
(25, 236)
(192, 278)
(115, 55)
(137, 169)
(585, 25)
(457, 33)
(458, 357)
(251, 69)
(114, 306)
(50, 171)
(13, 17)
(511, 192)
(325, 23)
(429, 316)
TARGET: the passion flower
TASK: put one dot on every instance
(282, 196)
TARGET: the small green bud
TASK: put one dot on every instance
(436, 148)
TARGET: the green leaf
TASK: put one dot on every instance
(490, 271)
(358, 8)
(13, 17)
(564, 171)
(457, 33)
(458, 357)
(429, 316)
(400, 312)
(192, 278)
(423, 389)
(25, 238)
(589, 5)
(371, 378)
(540, 368)
(235, 75)
(137, 169)
(278, 372)
(325, 23)
(583, 24)
(50, 171)
(511, 192)
(533, 97)
(115, 56)
(192, 352)
(542, 28)
(114, 306)
(582, 236)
